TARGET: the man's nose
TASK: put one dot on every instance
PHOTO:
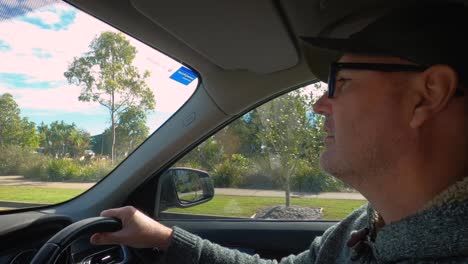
(323, 106)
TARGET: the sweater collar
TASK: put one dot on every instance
(457, 192)
(438, 230)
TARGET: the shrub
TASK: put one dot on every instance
(11, 159)
(16, 160)
(309, 179)
(63, 170)
(95, 170)
(304, 178)
(78, 171)
(230, 172)
(35, 168)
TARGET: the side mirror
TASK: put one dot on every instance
(184, 187)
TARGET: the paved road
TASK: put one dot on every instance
(274, 193)
(19, 181)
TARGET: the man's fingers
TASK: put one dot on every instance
(119, 212)
(104, 239)
(109, 238)
(111, 213)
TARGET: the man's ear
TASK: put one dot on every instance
(435, 88)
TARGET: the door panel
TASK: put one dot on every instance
(271, 240)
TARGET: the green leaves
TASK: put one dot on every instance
(60, 139)
(13, 129)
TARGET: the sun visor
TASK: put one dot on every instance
(235, 35)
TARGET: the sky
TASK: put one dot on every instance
(36, 48)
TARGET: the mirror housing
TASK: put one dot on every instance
(183, 187)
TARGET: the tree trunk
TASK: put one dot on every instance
(113, 126)
(288, 192)
(290, 172)
(102, 143)
(113, 139)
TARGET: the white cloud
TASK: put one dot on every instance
(61, 99)
(62, 45)
(48, 16)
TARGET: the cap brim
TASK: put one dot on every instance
(321, 52)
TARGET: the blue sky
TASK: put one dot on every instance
(37, 47)
(66, 18)
(4, 47)
(19, 81)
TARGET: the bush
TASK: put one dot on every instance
(78, 171)
(12, 158)
(304, 178)
(35, 168)
(230, 173)
(16, 160)
(309, 179)
(63, 170)
(95, 170)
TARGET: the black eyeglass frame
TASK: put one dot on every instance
(384, 67)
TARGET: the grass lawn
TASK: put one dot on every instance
(37, 194)
(223, 205)
(242, 206)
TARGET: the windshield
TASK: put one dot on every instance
(76, 97)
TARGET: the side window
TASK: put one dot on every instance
(265, 165)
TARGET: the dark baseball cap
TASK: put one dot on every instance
(426, 34)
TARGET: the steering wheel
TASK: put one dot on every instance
(51, 250)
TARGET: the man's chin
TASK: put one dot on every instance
(329, 140)
(336, 167)
(330, 163)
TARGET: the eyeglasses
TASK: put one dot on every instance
(384, 67)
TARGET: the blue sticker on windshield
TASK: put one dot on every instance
(183, 75)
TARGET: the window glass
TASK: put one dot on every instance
(76, 97)
(265, 165)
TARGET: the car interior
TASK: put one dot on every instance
(245, 54)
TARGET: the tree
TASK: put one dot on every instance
(106, 75)
(10, 120)
(29, 137)
(130, 132)
(205, 156)
(241, 136)
(15, 130)
(60, 139)
(287, 127)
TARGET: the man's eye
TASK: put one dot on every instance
(341, 83)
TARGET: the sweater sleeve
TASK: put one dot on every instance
(187, 248)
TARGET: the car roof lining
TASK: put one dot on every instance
(216, 29)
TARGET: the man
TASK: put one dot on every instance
(397, 119)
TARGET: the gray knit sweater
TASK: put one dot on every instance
(438, 234)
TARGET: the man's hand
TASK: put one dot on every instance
(138, 230)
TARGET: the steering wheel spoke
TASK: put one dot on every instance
(51, 250)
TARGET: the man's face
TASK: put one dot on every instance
(365, 121)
